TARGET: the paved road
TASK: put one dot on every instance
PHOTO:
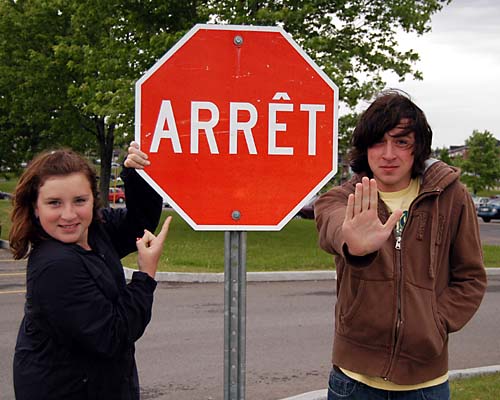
(490, 232)
(289, 328)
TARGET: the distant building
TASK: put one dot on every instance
(458, 151)
(461, 151)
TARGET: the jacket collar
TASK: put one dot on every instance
(438, 175)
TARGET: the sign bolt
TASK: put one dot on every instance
(238, 40)
(236, 215)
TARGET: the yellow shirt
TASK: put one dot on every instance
(401, 199)
(380, 383)
(397, 200)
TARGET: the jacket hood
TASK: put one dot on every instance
(438, 175)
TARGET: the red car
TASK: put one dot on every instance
(116, 195)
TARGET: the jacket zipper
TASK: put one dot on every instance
(399, 320)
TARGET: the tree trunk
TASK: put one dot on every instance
(105, 138)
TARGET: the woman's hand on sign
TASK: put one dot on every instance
(136, 158)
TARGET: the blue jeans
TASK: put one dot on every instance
(341, 386)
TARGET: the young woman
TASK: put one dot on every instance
(76, 340)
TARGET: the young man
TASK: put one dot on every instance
(410, 271)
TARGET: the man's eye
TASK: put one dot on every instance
(403, 143)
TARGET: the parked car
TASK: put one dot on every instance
(116, 195)
(490, 210)
(307, 211)
(479, 200)
(5, 195)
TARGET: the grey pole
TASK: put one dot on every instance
(235, 249)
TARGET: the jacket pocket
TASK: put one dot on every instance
(364, 312)
(424, 335)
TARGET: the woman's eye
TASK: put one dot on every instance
(54, 203)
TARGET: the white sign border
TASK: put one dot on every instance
(239, 28)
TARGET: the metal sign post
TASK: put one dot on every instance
(235, 249)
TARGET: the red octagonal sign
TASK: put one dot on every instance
(240, 126)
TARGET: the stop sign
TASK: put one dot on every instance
(240, 126)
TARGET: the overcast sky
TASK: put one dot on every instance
(460, 61)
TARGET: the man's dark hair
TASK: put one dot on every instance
(383, 115)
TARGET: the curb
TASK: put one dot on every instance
(472, 372)
(453, 375)
(193, 277)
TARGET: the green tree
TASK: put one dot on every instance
(34, 113)
(68, 67)
(444, 155)
(481, 165)
(346, 126)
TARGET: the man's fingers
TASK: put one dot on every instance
(349, 208)
(373, 195)
(358, 195)
(393, 219)
(365, 196)
(365, 205)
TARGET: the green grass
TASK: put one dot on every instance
(294, 248)
(491, 256)
(488, 193)
(8, 185)
(478, 388)
(5, 207)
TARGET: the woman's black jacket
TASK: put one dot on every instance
(76, 340)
